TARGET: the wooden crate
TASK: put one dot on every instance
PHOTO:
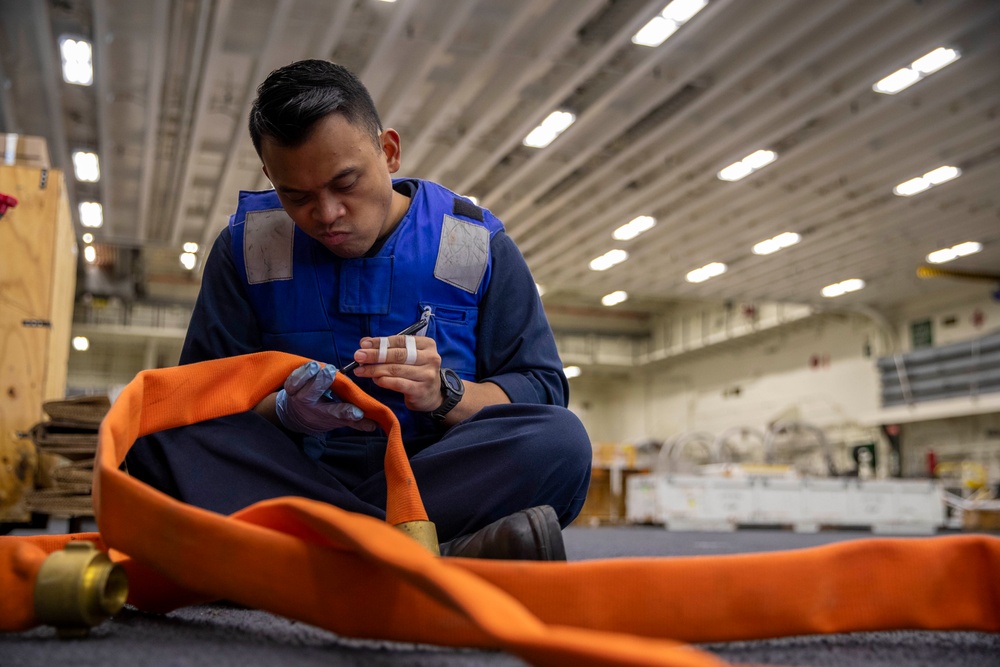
(603, 505)
(37, 284)
(24, 150)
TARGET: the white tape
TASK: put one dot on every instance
(383, 348)
(411, 350)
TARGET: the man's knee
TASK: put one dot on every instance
(565, 434)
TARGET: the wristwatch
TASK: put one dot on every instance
(452, 389)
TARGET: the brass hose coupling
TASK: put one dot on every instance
(424, 532)
(78, 588)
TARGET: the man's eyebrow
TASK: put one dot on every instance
(345, 173)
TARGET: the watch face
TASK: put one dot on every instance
(453, 381)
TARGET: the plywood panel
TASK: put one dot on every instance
(37, 281)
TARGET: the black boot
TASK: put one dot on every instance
(531, 534)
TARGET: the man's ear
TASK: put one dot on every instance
(263, 168)
(391, 149)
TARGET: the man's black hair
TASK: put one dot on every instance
(292, 99)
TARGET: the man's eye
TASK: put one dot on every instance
(298, 201)
(349, 186)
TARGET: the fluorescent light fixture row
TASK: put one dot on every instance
(571, 372)
(86, 166)
(636, 226)
(667, 22)
(776, 243)
(904, 78)
(91, 214)
(608, 259)
(948, 254)
(934, 177)
(747, 165)
(702, 274)
(550, 128)
(613, 299)
(843, 287)
(77, 61)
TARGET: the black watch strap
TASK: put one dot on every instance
(452, 390)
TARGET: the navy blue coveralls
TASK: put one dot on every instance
(446, 254)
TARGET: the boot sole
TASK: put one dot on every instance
(548, 534)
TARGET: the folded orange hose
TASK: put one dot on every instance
(358, 576)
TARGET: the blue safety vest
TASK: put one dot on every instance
(312, 303)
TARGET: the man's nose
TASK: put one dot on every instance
(328, 208)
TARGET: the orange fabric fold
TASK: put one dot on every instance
(358, 576)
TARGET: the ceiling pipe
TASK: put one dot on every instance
(169, 204)
(49, 72)
(154, 94)
(220, 21)
(102, 79)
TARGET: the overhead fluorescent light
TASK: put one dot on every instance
(89, 254)
(87, 238)
(748, 165)
(550, 128)
(541, 289)
(190, 246)
(188, 260)
(572, 372)
(81, 343)
(636, 226)
(843, 287)
(776, 243)
(91, 214)
(77, 61)
(702, 274)
(903, 78)
(86, 166)
(927, 181)
(948, 254)
(608, 259)
(614, 298)
(667, 22)
(682, 11)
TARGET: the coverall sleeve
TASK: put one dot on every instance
(222, 323)
(516, 348)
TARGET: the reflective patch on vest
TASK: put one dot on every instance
(462, 254)
(268, 239)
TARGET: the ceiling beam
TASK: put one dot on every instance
(216, 39)
(154, 94)
(49, 71)
(238, 137)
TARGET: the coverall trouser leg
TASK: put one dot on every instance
(503, 459)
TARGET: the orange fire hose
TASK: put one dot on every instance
(359, 576)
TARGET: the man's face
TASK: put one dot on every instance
(337, 185)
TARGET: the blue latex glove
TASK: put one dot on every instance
(302, 407)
